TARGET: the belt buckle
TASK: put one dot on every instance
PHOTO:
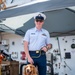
(37, 51)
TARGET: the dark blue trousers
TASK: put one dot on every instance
(39, 61)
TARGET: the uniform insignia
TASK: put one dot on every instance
(44, 34)
(32, 33)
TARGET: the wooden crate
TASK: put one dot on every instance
(12, 66)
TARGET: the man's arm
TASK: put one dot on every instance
(30, 60)
(47, 47)
(26, 49)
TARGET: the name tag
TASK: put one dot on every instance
(32, 33)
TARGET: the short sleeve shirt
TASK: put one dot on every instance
(37, 38)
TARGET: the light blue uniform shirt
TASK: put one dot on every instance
(37, 38)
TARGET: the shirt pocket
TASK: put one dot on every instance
(33, 37)
(43, 37)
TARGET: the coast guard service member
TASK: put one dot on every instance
(37, 43)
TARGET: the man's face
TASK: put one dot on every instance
(39, 23)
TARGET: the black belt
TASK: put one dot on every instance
(39, 52)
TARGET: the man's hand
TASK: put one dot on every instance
(30, 60)
(44, 49)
